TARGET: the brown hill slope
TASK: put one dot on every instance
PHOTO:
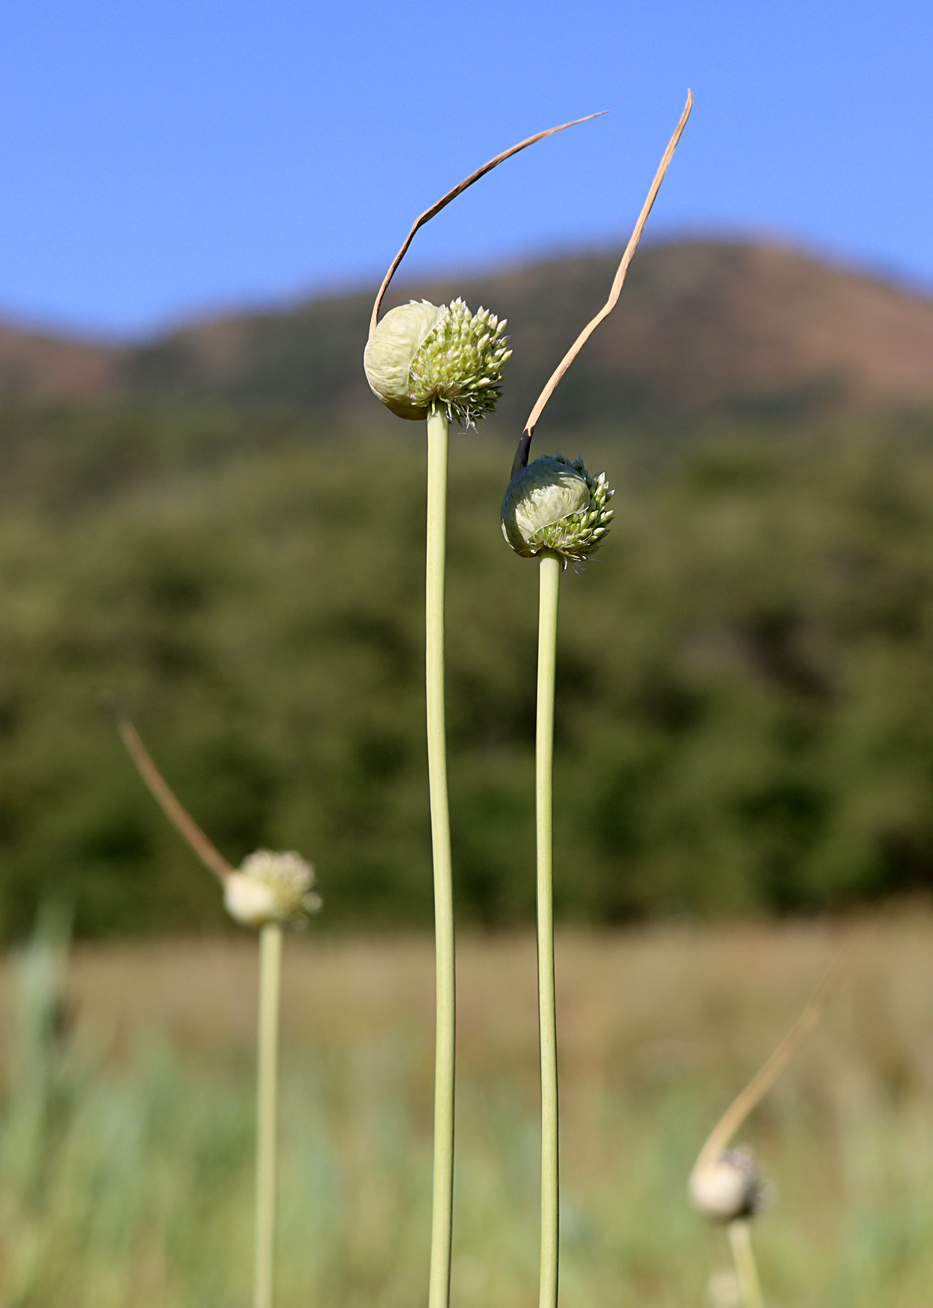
(706, 331)
(40, 366)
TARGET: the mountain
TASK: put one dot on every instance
(706, 332)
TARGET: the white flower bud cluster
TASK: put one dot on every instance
(729, 1188)
(420, 354)
(271, 887)
(554, 504)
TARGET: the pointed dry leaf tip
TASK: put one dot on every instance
(728, 1188)
(554, 504)
(420, 355)
(618, 280)
(271, 887)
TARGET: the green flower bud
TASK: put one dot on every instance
(420, 354)
(554, 504)
(271, 887)
(728, 1188)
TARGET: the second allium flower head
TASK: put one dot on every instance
(554, 504)
(421, 354)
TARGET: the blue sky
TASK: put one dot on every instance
(160, 160)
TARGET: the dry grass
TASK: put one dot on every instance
(658, 1029)
(711, 1000)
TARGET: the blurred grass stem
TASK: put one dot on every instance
(270, 989)
(442, 1204)
(740, 1238)
(547, 1013)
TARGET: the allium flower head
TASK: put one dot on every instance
(728, 1188)
(271, 887)
(554, 504)
(420, 355)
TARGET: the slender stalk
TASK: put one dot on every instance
(442, 1210)
(270, 986)
(740, 1238)
(547, 1012)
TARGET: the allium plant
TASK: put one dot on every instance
(439, 363)
(267, 892)
(556, 512)
(436, 383)
(725, 1185)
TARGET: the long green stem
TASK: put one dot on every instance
(740, 1238)
(442, 1211)
(547, 1012)
(270, 986)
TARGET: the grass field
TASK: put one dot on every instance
(127, 1132)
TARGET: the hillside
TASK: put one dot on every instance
(223, 531)
(40, 366)
(706, 332)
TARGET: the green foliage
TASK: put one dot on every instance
(744, 673)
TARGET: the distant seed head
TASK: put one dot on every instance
(420, 355)
(271, 887)
(728, 1188)
(554, 504)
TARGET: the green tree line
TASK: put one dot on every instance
(745, 670)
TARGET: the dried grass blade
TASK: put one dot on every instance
(452, 195)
